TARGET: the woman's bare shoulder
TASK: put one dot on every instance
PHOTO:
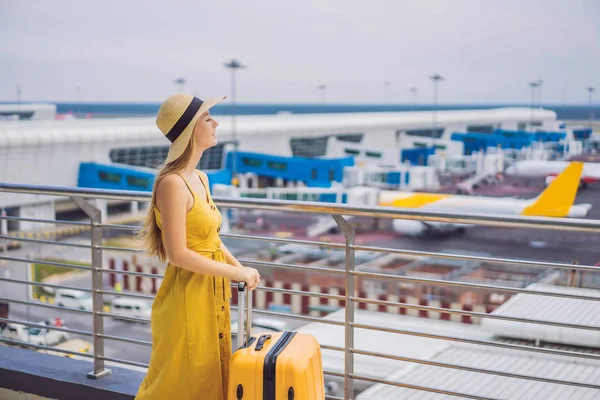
(171, 189)
(169, 183)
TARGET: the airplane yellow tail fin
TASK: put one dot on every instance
(559, 196)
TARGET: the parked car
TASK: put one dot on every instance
(131, 307)
(14, 332)
(73, 298)
(34, 335)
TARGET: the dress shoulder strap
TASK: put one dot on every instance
(205, 184)
(200, 175)
(188, 186)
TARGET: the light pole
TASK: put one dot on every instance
(322, 88)
(234, 65)
(564, 103)
(77, 98)
(181, 83)
(540, 83)
(413, 96)
(591, 117)
(19, 94)
(533, 85)
(386, 91)
(435, 78)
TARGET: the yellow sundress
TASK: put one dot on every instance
(191, 329)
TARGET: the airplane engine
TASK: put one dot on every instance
(409, 227)
(579, 210)
(427, 229)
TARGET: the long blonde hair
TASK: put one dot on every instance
(149, 233)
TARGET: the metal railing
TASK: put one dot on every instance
(350, 273)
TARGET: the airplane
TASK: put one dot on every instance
(550, 169)
(555, 201)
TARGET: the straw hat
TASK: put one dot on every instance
(177, 117)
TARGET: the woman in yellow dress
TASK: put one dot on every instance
(191, 337)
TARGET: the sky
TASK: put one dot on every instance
(132, 50)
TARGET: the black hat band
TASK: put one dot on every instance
(184, 120)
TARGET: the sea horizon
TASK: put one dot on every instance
(138, 109)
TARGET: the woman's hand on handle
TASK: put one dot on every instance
(250, 276)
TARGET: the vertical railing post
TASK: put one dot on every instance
(95, 216)
(3, 231)
(349, 233)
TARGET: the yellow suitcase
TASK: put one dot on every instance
(274, 365)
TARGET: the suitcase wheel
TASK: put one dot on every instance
(291, 394)
(240, 392)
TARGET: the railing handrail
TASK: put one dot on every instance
(487, 219)
(351, 295)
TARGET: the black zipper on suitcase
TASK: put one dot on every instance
(271, 363)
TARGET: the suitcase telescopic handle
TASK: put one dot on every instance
(244, 328)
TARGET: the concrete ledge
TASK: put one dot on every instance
(63, 378)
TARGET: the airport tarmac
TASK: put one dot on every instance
(540, 244)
